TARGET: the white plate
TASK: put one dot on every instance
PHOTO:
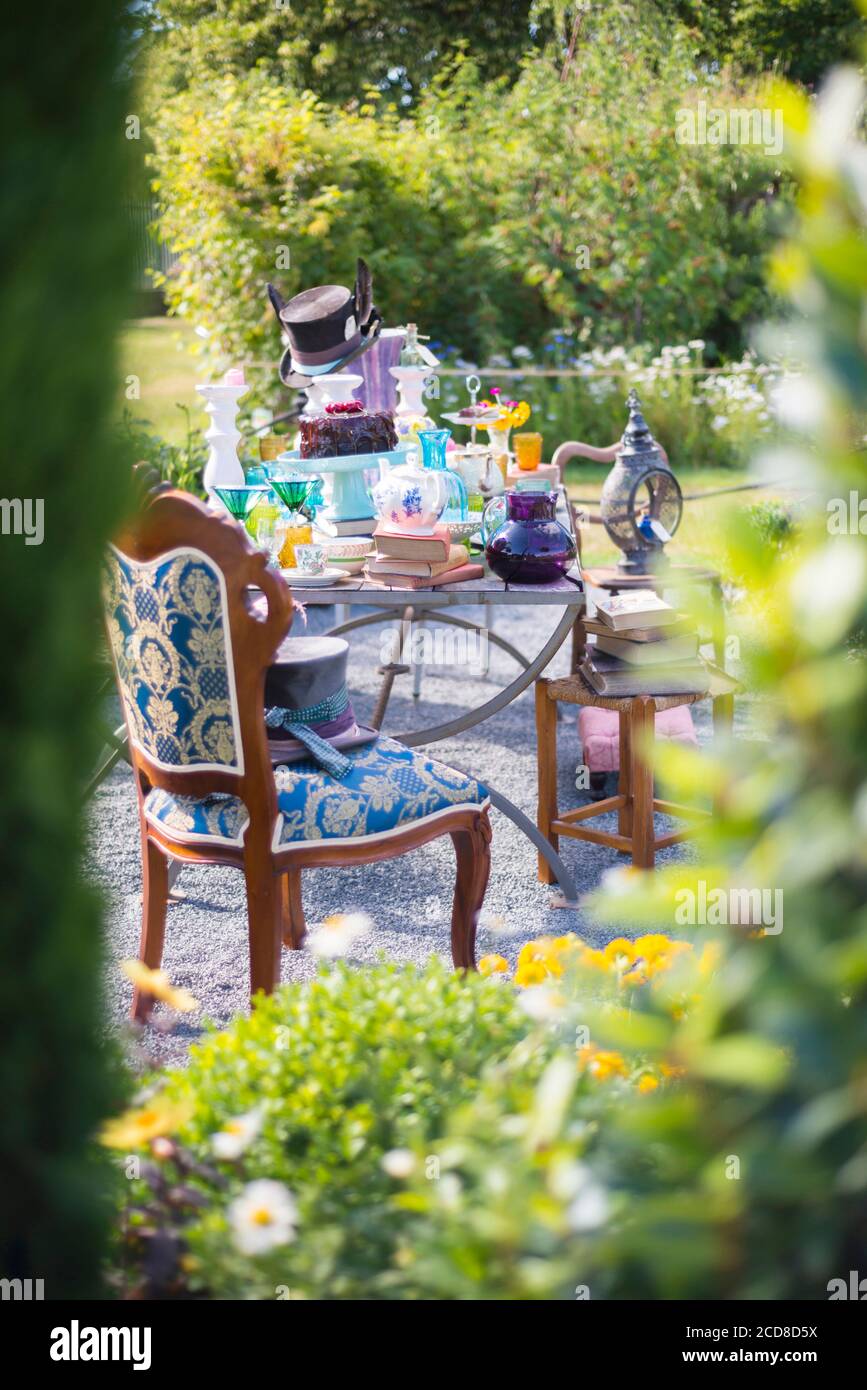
(313, 581)
(487, 418)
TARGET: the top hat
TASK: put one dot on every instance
(326, 327)
(308, 713)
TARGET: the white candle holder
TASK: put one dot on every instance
(223, 468)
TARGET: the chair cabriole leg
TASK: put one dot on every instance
(265, 924)
(155, 895)
(473, 851)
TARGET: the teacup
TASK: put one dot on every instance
(310, 559)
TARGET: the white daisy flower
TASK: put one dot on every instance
(263, 1217)
(590, 1208)
(541, 1003)
(337, 934)
(237, 1135)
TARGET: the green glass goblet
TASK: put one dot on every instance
(240, 501)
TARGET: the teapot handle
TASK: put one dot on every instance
(489, 528)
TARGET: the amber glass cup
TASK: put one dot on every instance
(528, 450)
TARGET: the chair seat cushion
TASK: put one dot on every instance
(599, 730)
(388, 787)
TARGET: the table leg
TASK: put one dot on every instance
(561, 873)
(415, 659)
(546, 763)
(579, 644)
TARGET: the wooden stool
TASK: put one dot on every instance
(635, 803)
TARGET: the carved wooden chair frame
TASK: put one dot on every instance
(174, 520)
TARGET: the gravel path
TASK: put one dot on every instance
(409, 899)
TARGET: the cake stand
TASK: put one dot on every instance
(350, 499)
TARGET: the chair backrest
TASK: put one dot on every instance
(189, 655)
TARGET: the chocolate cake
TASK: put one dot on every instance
(347, 428)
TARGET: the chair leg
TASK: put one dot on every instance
(546, 763)
(265, 925)
(473, 851)
(642, 717)
(155, 896)
(624, 815)
(294, 926)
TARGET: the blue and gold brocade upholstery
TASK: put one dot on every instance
(170, 642)
(389, 786)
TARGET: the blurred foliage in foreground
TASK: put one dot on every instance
(63, 169)
(676, 1124)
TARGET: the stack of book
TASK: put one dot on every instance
(640, 646)
(406, 561)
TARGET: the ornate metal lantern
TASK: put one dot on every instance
(641, 503)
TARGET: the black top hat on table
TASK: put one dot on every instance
(308, 713)
(326, 327)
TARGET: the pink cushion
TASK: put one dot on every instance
(599, 730)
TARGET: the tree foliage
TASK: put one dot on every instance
(334, 49)
(800, 39)
(493, 213)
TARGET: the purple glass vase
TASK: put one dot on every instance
(529, 545)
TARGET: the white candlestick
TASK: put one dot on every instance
(223, 468)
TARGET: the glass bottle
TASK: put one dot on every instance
(411, 354)
(433, 452)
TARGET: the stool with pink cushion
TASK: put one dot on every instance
(619, 732)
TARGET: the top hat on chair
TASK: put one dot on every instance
(326, 327)
(308, 713)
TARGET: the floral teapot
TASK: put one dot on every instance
(410, 497)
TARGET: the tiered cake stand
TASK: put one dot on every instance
(350, 499)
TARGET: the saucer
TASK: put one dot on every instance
(313, 581)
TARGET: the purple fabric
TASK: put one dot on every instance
(379, 389)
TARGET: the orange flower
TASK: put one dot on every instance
(493, 965)
(600, 1064)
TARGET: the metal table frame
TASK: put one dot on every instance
(433, 604)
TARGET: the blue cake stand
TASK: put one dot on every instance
(350, 499)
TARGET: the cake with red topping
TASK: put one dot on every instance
(347, 428)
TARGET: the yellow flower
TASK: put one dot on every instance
(709, 958)
(600, 1064)
(493, 965)
(671, 1073)
(647, 1083)
(593, 959)
(530, 972)
(620, 952)
(535, 955)
(136, 1127)
(157, 983)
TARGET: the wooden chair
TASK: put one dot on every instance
(190, 650)
(635, 802)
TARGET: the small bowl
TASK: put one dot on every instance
(347, 548)
(462, 530)
(349, 566)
